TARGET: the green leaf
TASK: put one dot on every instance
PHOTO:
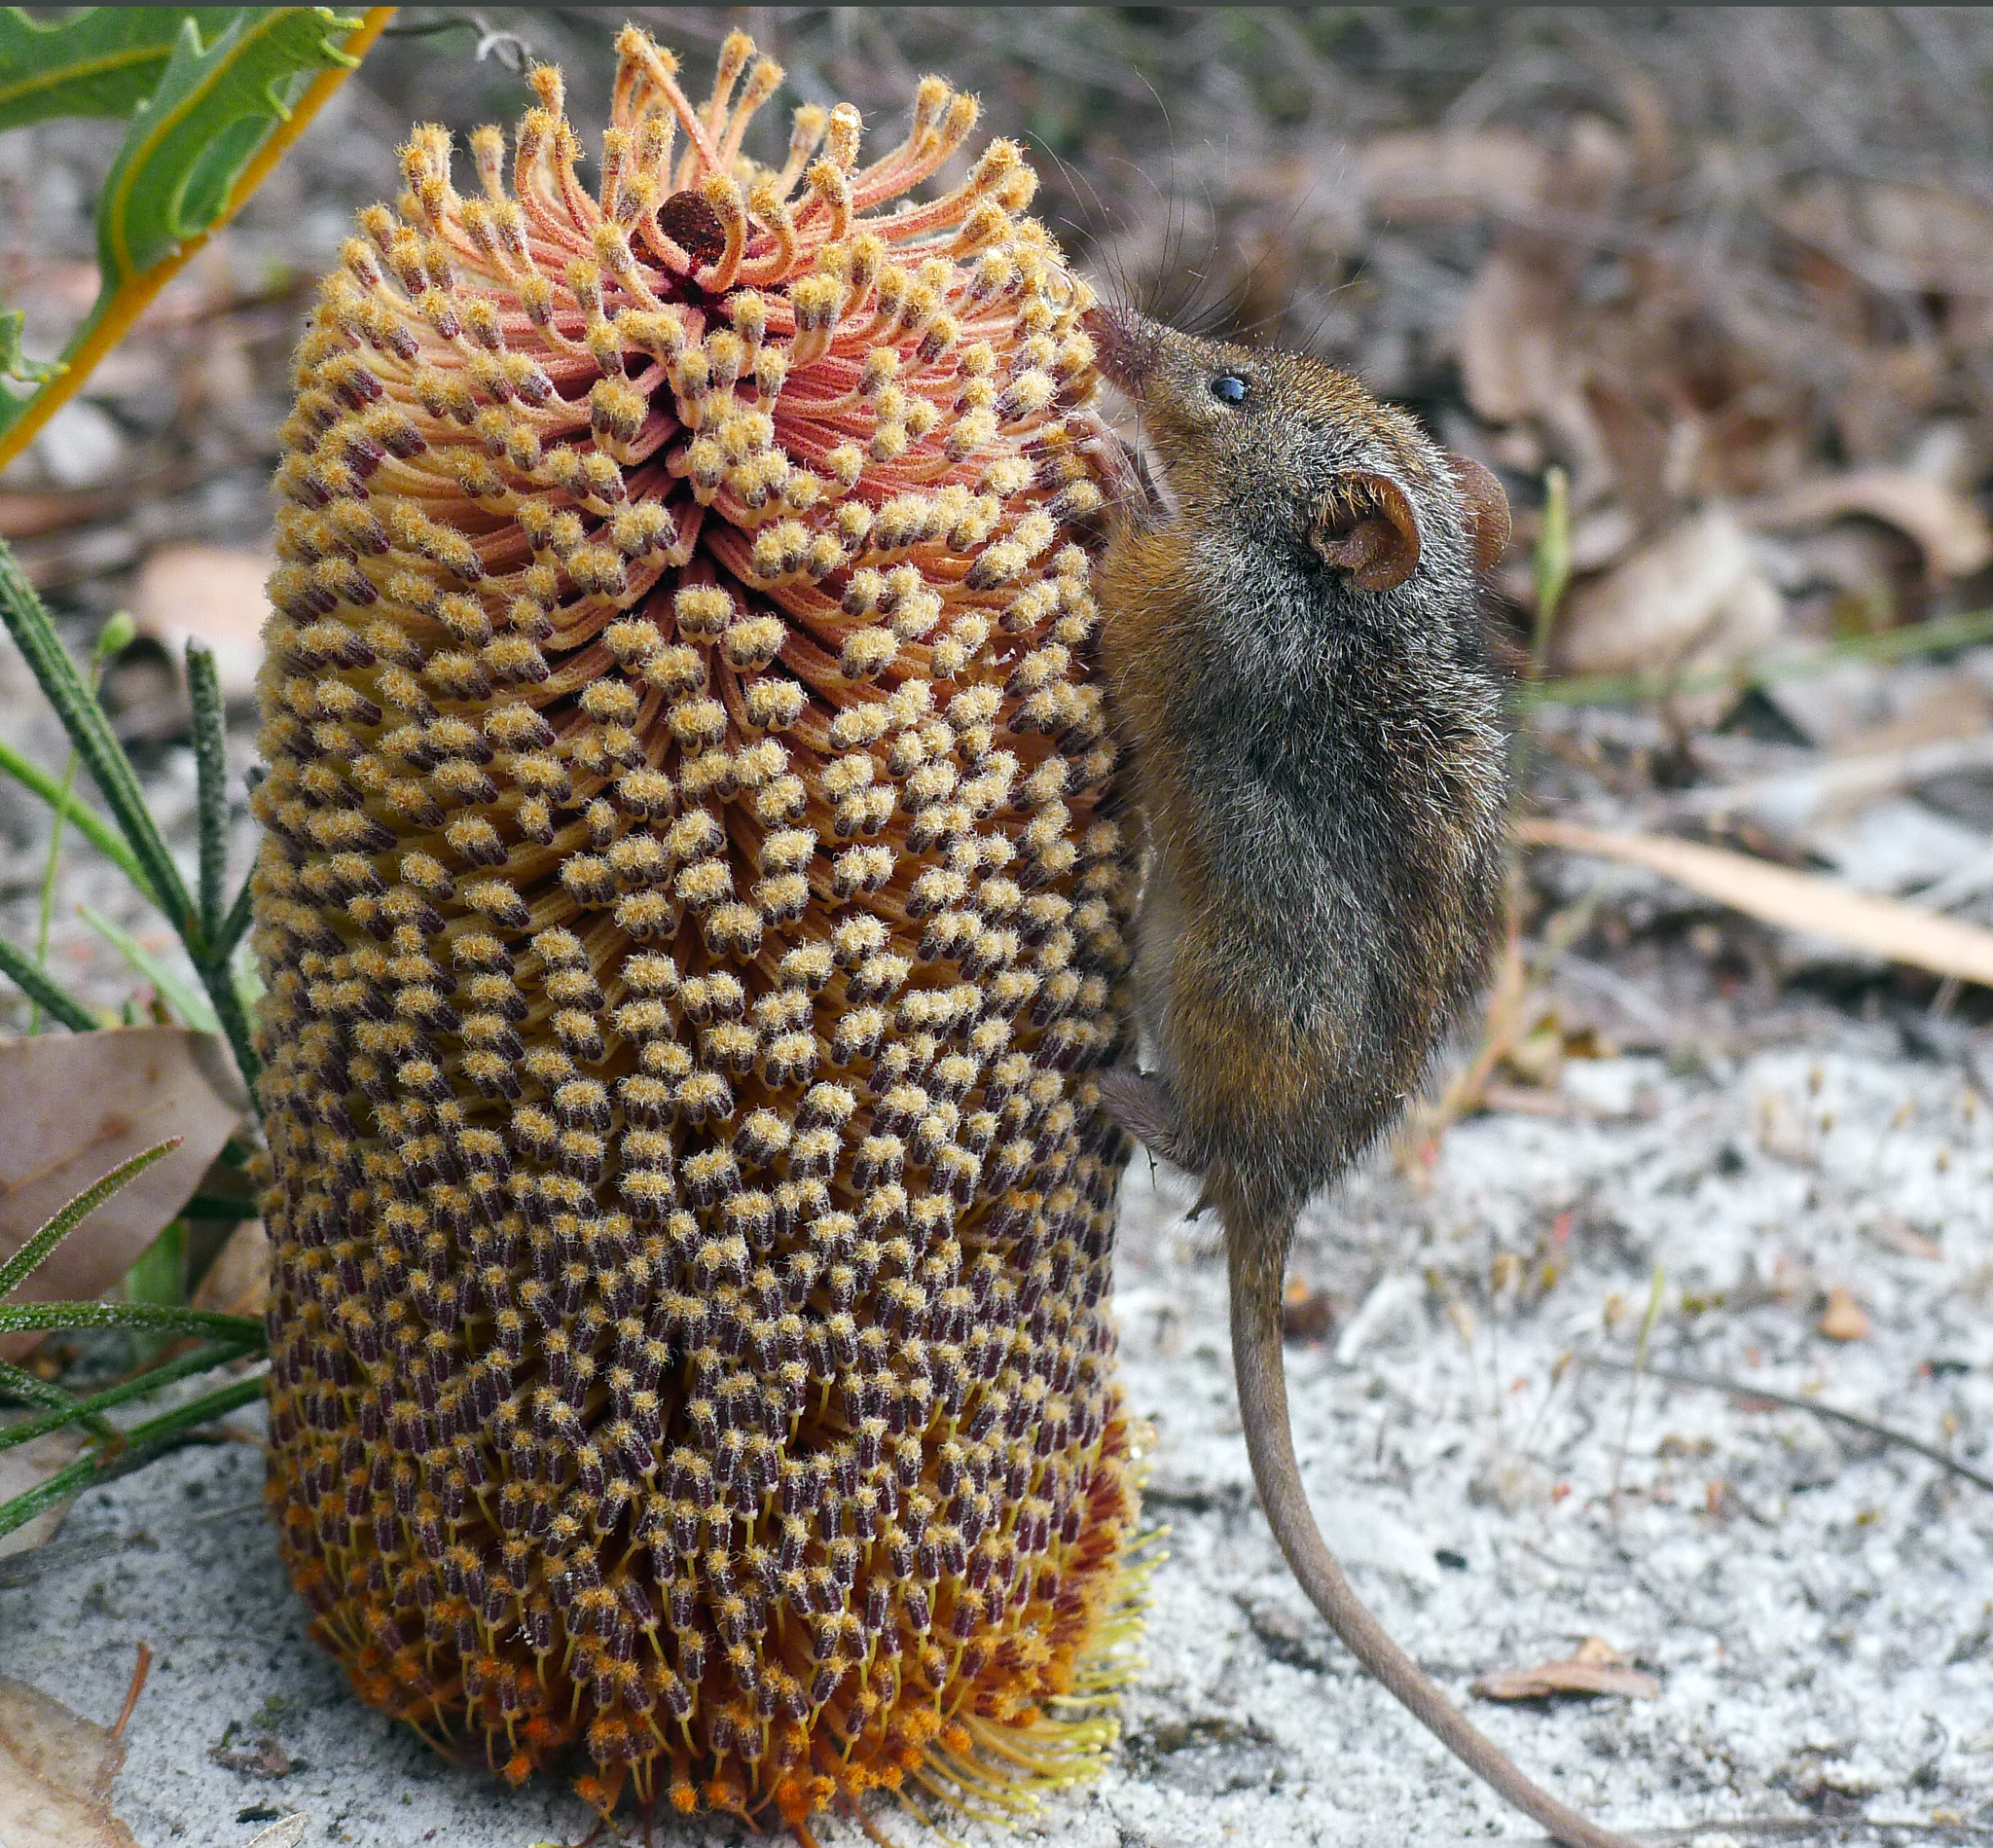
(14, 363)
(60, 1408)
(36, 1251)
(211, 763)
(142, 1443)
(66, 1409)
(47, 1318)
(44, 990)
(189, 140)
(102, 61)
(99, 832)
(89, 732)
(174, 989)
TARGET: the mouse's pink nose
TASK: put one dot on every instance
(1126, 344)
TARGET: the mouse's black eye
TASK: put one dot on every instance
(1228, 388)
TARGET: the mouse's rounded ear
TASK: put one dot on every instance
(1366, 527)
(1488, 521)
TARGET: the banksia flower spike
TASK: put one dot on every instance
(691, 910)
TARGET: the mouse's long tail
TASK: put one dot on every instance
(1261, 1369)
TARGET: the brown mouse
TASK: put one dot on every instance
(1299, 672)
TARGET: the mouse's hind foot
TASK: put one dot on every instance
(1147, 1110)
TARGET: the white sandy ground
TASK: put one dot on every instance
(1822, 1641)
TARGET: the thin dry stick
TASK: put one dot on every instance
(1638, 1367)
(1715, 1383)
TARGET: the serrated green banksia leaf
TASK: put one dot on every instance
(101, 62)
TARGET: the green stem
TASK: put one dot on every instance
(24, 1261)
(92, 825)
(45, 1317)
(211, 774)
(116, 636)
(140, 1443)
(46, 911)
(236, 922)
(220, 983)
(64, 1006)
(203, 1360)
(89, 731)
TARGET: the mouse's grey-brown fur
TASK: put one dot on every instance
(1297, 664)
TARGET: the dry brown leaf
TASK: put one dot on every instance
(1954, 708)
(55, 1771)
(79, 1103)
(211, 593)
(1597, 1668)
(1915, 239)
(1512, 362)
(27, 1467)
(1794, 901)
(1844, 1320)
(1427, 177)
(237, 1282)
(1692, 598)
(1949, 528)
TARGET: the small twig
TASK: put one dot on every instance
(1637, 1368)
(139, 1671)
(1714, 1383)
(1802, 1830)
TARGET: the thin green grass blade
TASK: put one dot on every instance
(174, 989)
(37, 1248)
(1938, 635)
(142, 1443)
(79, 813)
(233, 1013)
(89, 731)
(62, 1408)
(211, 763)
(157, 1379)
(19, 969)
(153, 1317)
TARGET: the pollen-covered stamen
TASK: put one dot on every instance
(688, 919)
